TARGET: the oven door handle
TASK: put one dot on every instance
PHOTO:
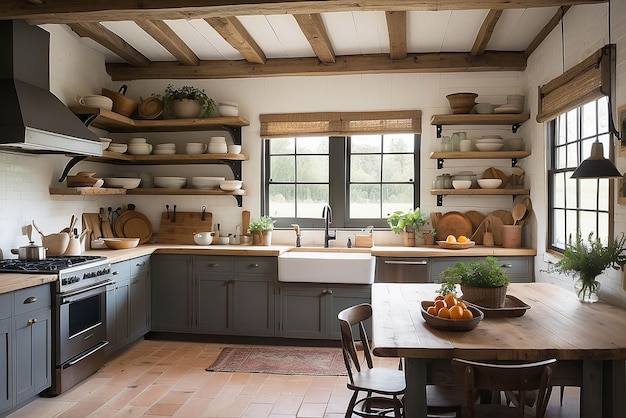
(87, 354)
(84, 292)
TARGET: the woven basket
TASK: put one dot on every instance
(487, 297)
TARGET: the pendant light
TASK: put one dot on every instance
(596, 166)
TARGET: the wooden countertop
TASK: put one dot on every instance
(10, 282)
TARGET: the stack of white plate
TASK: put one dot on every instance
(164, 149)
(206, 182)
(489, 144)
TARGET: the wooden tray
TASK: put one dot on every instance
(454, 223)
(133, 224)
(451, 324)
(512, 307)
(455, 245)
(182, 231)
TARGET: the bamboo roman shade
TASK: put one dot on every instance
(587, 81)
(340, 123)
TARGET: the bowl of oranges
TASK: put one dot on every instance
(449, 313)
(456, 243)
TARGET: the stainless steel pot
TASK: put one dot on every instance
(30, 252)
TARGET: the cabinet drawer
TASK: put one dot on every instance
(254, 265)
(32, 298)
(139, 265)
(212, 265)
(121, 270)
(5, 305)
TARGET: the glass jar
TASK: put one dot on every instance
(455, 139)
(446, 144)
(447, 181)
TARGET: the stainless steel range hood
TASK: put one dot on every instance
(32, 119)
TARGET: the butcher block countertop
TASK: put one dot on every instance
(10, 282)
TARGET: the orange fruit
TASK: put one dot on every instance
(439, 304)
(462, 304)
(439, 297)
(432, 310)
(456, 312)
(450, 300)
(467, 314)
(451, 238)
(462, 238)
(443, 313)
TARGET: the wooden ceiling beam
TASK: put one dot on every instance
(546, 30)
(164, 35)
(72, 11)
(313, 28)
(356, 64)
(485, 32)
(231, 29)
(396, 26)
(110, 40)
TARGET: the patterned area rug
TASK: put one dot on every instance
(318, 361)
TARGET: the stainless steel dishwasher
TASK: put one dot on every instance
(402, 270)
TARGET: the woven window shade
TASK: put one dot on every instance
(587, 81)
(340, 123)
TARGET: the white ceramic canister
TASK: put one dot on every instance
(217, 145)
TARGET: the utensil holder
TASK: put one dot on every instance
(511, 236)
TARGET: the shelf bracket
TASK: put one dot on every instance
(235, 133)
(439, 163)
(239, 200)
(70, 164)
(515, 127)
(513, 162)
(440, 130)
(235, 167)
(439, 200)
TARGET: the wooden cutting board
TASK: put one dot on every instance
(134, 224)
(105, 225)
(91, 221)
(182, 231)
(453, 223)
(477, 219)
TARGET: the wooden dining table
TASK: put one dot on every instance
(587, 339)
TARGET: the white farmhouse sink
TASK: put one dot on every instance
(326, 267)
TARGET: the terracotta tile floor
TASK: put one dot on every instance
(167, 378)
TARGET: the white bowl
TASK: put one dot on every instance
(115, 147)
(234, 149)
(105, 143)
(484, 108)
(489, 146)
(164, 151)
(228, 109)
(203, 238)
(489, 183)
(493, 140)
(230, 185)
(170, 182)
(461, 184)
(139, 149)
(102, 102)
(122, 182)
(165, 146)
(206, 182)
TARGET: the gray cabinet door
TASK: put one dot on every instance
(6, 388)
(302, 311)
(139, 307)
(33, 334)
(172, 302)
(253, 305)
(343, 297)
(214, 304)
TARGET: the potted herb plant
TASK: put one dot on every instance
(407, 224)
(587, 259)
(261, 230)
(483, 282)
(188, 102)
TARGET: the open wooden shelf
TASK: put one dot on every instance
(513, 119)
(117, 158)
(474, 192)
(490, 155)
(84, 191)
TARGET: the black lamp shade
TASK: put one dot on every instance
(596, 166)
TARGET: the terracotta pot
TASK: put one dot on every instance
(429, 239)
(408, 238)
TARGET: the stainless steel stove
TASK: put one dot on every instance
(79, 313)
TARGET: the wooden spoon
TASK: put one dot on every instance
(518, 212)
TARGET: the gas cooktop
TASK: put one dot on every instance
(51, 265)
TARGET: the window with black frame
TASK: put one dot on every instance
(364, 178)
(578, 204)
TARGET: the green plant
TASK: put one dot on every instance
(188, 92)
(587, 259)
(410, 221)
(264, 223)
(483, 273)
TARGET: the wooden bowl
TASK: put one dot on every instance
(451, 324)
(121, 243)
(456, 245)
(462, 102)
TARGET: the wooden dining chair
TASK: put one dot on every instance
(383, 387)
(517, 378)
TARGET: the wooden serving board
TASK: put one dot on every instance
(182, 231)
(91, 221)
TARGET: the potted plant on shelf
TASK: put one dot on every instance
(261, 230)
(407, 224)
(587, 259)
(188, 102)
(483, 282)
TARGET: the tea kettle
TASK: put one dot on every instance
(76, 245)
